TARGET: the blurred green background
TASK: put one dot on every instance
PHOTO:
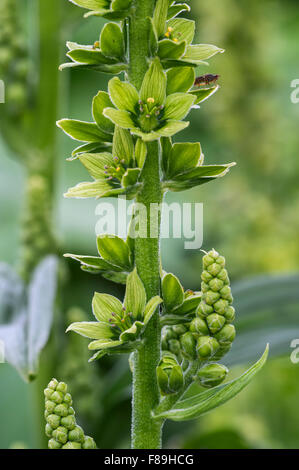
(251, 216)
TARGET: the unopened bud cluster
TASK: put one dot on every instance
(209, 335)
(14, 62)
(61, 428)
(169, 374)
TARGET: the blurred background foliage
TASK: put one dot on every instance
(251, 217)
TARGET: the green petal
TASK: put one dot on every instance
(154, 83)
(112, 41)
(183, 157)
(100, 102)
(200, 52)
(180, 79)
(124, 95)
(103, 344)
(83, 131)
(93, 262)
(123, 146)
(95, 163)
(135, 298)
(93, 330)
(171, 50)
(178, 105)
(132, 333)
(84, 190)
(114, 250)
(151, 307)
(103, 305)
(160, 16)
(119, 117)
(90, 4)
(183, 29)
(171, 127)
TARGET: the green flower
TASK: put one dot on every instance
(110, 9)
(149, 114)
(61, 428)
(119, 326)
(169, 374)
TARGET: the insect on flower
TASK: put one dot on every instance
(207, 79)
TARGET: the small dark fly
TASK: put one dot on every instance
(208, 79)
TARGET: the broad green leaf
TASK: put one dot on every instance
(180, 80)
(99, 103)
(123, 146)
(200, 52)
(123, 94)
(154, 83)
(90, 57)
(91, 4)
(172, 292)
(168, 49)
(90, 147)
(172, 127)
(93, 262)
(183, 157)
(95, 163)
(91, 329)
(160, 17)
(178, 105)
(103, 305)
(83, 190)
(183, 30)
(197, 405)
(120, 117)
(114, 250)
(83, 131)
(189, 305)
(114, 68)
(135, 297)
(204, 171)
(112, 41)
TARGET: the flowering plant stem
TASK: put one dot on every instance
(146, 433)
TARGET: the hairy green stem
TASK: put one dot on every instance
(146, 432)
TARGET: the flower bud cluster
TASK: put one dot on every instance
(37, 238)
(14, 62)
(61, 428)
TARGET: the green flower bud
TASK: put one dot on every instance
(211, 297)
(48, 430)
(188, 344)
(215, 322)
(214, 269)
(206, 347)
(216, 284)
(53, 444)
(69, 422)
(175, 346)
(206, 277)
(223, 276)
(227, 335)
(204, 309)
(220, 306)
(230, 314)
(53, 420)
(169, 375)
(222, 351)
(204, 287)
(226, 293)
(62, 410)
(179, 329)
(89, 443)
(50, 406)
(212, 375)
(57, 397)
(76, 434)
(60, 435)
(199, 327)
(72, 445)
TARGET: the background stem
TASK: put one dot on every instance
(146, 432)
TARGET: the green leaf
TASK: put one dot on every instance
(204, 93)
(91, 4)
(114, 250)
(92, 330)
(153, 39)
(99, 103)
(123, 94)
(154, 83)
(160, 17)
(89, 147)
(119, 117)
(172, 291)
(183, 30)
(103, 305)
(83, 131)
(183, 157)
(102, 344)
(105, 68)
(189, 305)
(172, 127)
(135, 298)
(180, 80)
(123, 146)
(120, 4)
(93, 262)
(168, 49)
(112, 41)
(204, 171)
(197, 405)
(130, 177)
(178, 105)
(200, 52)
